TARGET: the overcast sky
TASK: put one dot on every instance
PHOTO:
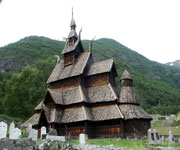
(150, 27)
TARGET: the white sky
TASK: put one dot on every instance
(150, 27)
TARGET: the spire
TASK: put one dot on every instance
(126, 74)
(73, 24)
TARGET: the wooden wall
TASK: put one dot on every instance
(66, 84)
(69, 59)
(97, 80)
(136, 127)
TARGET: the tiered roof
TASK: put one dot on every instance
(128, 102)
(80, 103)
(60, 72)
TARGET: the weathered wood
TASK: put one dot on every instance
(66, 84)
(69, 59)
(97, 80)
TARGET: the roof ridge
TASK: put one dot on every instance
(109, 84)
(119, 111)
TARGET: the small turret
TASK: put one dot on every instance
(126, 79)
(127, 94)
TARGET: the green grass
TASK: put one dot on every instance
(133, 144)
(165, 130)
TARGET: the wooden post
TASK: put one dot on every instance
(85, 127)
(66, 128)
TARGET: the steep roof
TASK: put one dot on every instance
(126, 75)
(34, 120)
(60, 72)
(73, 24)
(39, 106)
(66, 97)
(130, 111)
(69, 48)
(72, 33)
(53, 115)
(107, 112)
(102, 93)
(127, 95)
(101, 67)
(73, 115)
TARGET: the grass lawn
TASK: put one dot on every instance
(133, 144)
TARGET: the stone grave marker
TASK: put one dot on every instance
(11, 127)
(171, 138)
(56, 138)
(33, 134)
(52, 132)
(83, 139)
(3, 130)
(156, 137)
(43, 131)
(151, 138)
(29, 128)
(15, 134)
(162, 139)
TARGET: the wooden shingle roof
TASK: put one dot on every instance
(127, 95)
(108, 112)
(102, 93)
(39, 106)
(101, 67)
(60, 72)
(34, 120)
(69, 48)
(75, 115)
(70, 96)
(126, 75)
(130, 111)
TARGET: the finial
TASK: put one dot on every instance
(90, 44)
(125, 66)
(72, 12)
(58, 58)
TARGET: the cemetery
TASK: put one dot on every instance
(13, 139)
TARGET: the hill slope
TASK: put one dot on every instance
(157, 85)
(174, 63)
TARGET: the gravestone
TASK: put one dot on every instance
(151, 138)
(162, 139)
(52, 132)
(15, 134)
(29, 128)
(56, 138)
(43, 131)
(83, 139)
(33, 134)
(156, 137)
(11, 127)
(3, 130)
(171, 138)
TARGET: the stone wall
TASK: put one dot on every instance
(20, 144)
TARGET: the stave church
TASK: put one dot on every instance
(82, 97)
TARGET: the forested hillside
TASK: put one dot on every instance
(26, 65)
(174, 64)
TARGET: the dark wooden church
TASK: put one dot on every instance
(82, 97)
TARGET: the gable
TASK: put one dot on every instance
(60, 72)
